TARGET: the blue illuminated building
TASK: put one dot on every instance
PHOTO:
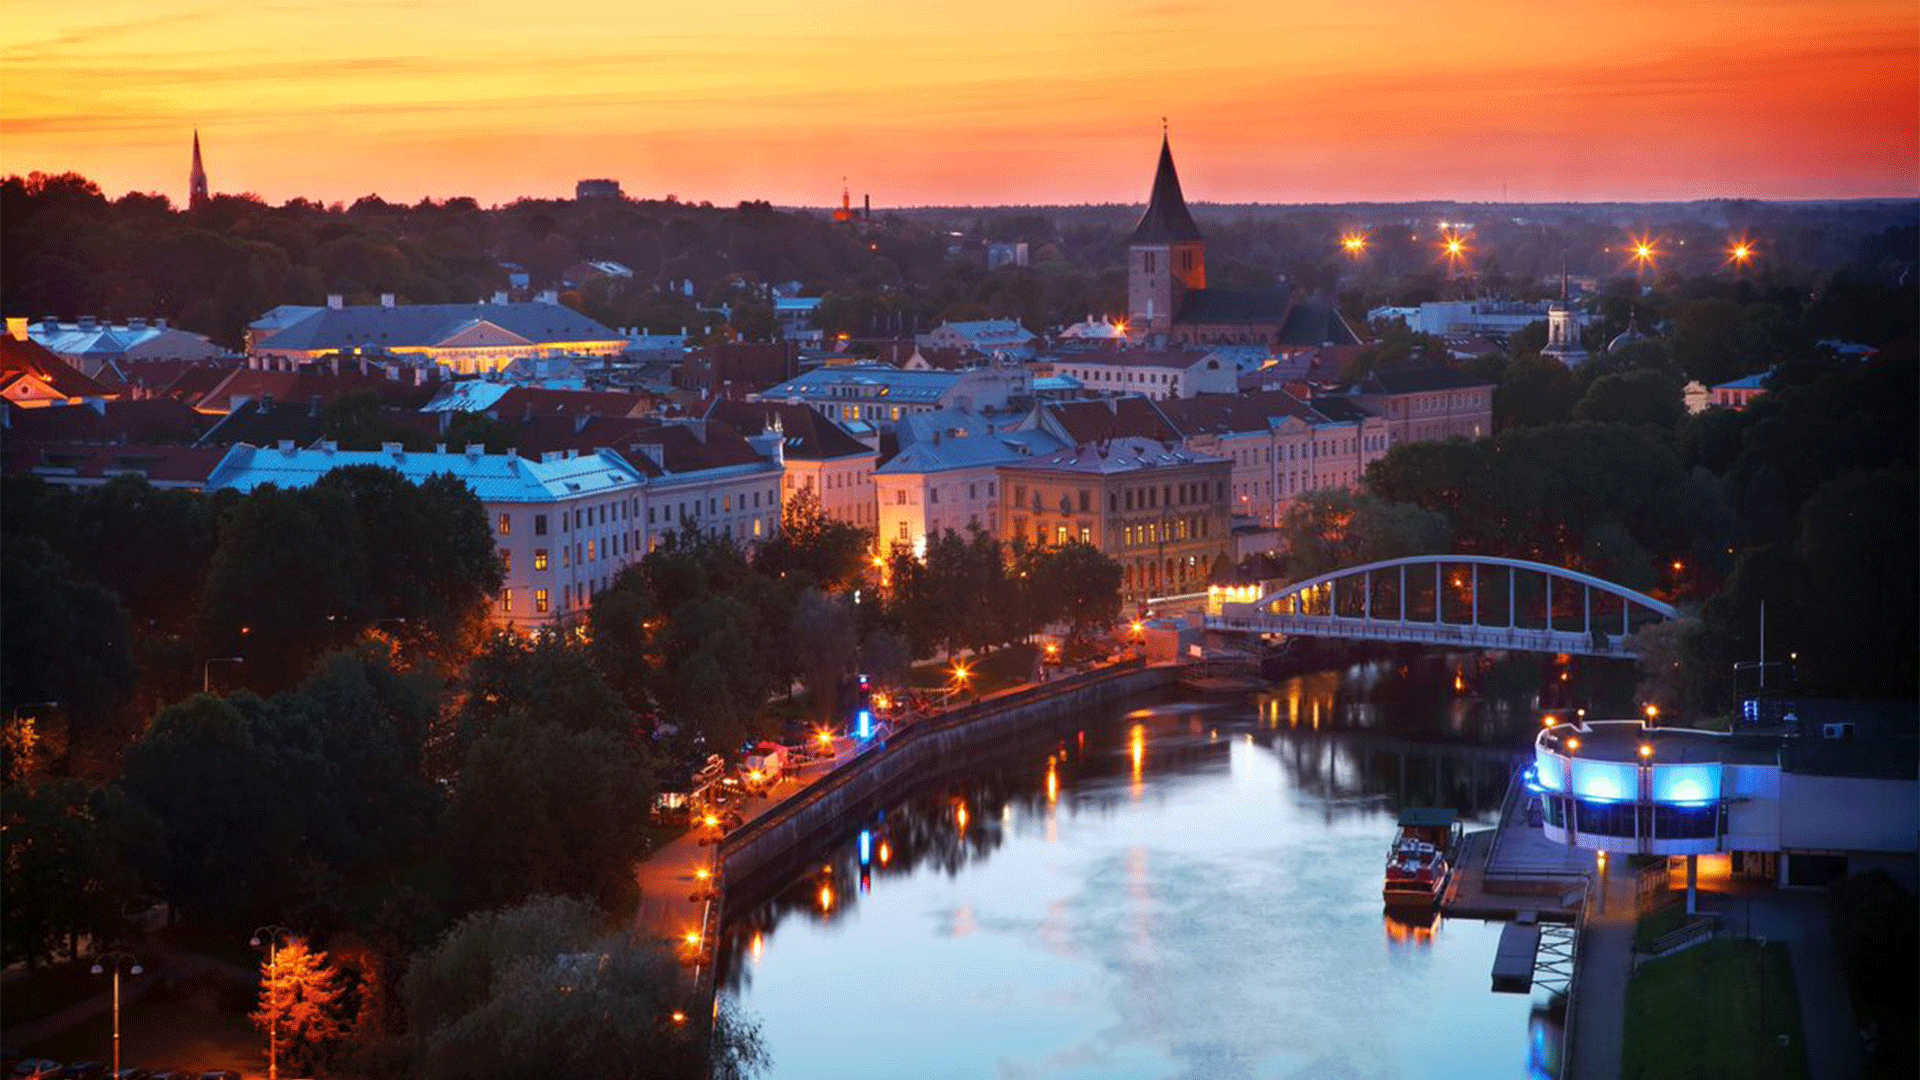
(1797, 807)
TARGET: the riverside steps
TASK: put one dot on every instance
(782, 837)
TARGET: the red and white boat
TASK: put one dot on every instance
(1417, 866)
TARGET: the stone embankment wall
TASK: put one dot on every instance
(782, 837)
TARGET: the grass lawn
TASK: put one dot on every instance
(1715, 1011)
(34, 995)
(154, 1034)
(995, 671)
(1658, 923)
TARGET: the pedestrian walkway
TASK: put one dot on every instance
(1606, 965)
(673, 895)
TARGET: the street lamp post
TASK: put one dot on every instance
(269, 938)
(206, 670)
(118, 961)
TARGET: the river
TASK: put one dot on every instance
(1161, 888)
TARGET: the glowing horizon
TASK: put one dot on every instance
(994, 103)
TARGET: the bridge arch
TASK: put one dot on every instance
(1472, 601)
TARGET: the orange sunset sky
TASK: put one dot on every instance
(986, 101)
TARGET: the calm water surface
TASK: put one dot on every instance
(1166, 889)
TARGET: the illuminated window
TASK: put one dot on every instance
(506, 561)
(540, 601)
(1086, 535)
(506, 524)
(1060, 534)
(903, 531)
(506, 601)
(590, 552)
(756, 527)
(540, 558)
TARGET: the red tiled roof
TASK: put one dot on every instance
(154, 420)
(1112, 418)
(175, 466)
(312, 382)
(29, 358)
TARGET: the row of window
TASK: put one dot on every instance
(1652, 821)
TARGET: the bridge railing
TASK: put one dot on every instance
(1470, 634)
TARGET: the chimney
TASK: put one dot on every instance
(866, 206)
(17, 329)
(266, 404)
(50, 322)
(286, 446)
(86, 322)
(439, 448)
(473, 450)
(336, 301)
(328, 446)
(500, 296)
(390, 448)
(548, 296)
(160, 322)
(136, 323)
(386, 300)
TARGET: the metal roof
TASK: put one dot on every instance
(493, 478)
(417, 325)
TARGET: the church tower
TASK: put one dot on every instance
(197, 183)
(1563, 329)
(1166, 255)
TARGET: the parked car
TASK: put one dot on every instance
(172, 1074)
(35, 1068)
(133, 1074)
(219, 1074)
(86, 1070)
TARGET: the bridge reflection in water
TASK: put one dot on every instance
(1147, 884)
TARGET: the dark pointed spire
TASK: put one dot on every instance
(197, 181)
(1167, 219)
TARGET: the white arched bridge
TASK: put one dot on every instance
(1462, 601)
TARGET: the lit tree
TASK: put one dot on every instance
(299, 998)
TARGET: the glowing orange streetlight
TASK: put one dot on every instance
(1646, 751)
(1354, 244)
(1645, 252)
(1653, 712)
(1573, 745)
(1740, 253)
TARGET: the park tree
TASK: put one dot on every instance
(814, 548)
(541, 987)
(1329, 530)
(540, 807)
(66, 647)
(288, 581)
(1644, 396)
(70, 851)
(826, 640)
(551, 673)
(300, 1007)
(450, 573)
(1084, 583)
(1534, 390)
(623, 628)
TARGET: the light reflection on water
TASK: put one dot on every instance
(1167, 891)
